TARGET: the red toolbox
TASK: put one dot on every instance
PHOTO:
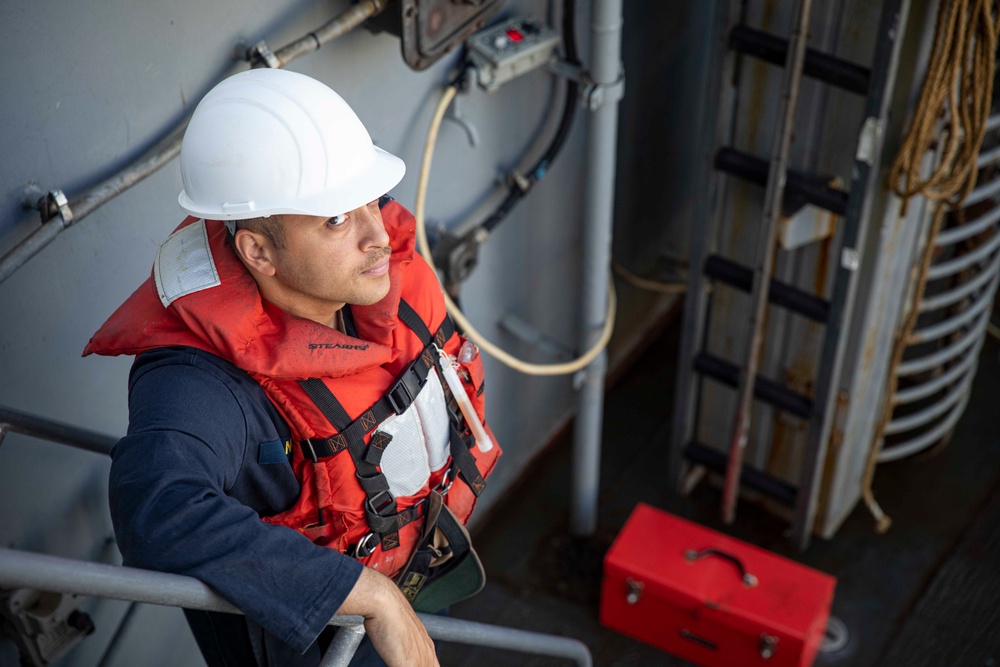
(710, 598)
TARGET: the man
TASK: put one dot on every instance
(291, 348)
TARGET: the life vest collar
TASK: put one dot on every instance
(201, 295)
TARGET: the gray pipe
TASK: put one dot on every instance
(21, 422)
(605, 70)
(494, 636)
(339, 25)
(19, 569)
(100, 194)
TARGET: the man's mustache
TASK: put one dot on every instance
(376, 258)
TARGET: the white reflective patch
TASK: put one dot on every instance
(184, 264)
(419, 440)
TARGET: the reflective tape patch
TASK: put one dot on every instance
(184, 264)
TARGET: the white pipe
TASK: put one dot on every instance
(605, 71)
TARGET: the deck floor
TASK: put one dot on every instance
(926, 590)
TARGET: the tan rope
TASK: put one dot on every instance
(647, 284)
(953, 107)
(950, 118)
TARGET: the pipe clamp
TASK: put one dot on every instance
(261, 55)
(55, 204)
(597, 95)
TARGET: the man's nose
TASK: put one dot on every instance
(374, 235)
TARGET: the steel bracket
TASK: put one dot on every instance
(457, 256)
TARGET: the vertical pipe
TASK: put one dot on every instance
(605, 70)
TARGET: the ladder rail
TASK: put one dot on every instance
(720, 127)
(892, 25)
(764, 262)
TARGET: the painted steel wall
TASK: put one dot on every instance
(88, 87)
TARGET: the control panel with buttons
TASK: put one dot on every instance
(511, 49)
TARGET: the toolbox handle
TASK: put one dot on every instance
(748, 579)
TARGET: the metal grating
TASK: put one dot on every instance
(942, 351)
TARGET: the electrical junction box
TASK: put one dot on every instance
(428, 29)
(510, 49)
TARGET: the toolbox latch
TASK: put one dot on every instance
(633, 590)
(768, 644)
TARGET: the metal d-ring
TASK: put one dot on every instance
(748, 579)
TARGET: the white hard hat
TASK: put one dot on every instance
(270, 141)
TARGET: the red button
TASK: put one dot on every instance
(515, 35)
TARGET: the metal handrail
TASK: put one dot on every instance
(40, 427)
(63, 575)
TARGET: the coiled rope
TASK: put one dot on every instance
(950, 118)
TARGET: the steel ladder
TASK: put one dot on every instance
(785, 189)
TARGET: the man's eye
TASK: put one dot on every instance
(337, 219)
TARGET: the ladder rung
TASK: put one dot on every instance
(822, 66)
(765, 389)
(780, 294)
(750, 477)
(813, 189)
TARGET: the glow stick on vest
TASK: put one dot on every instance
(471, 418)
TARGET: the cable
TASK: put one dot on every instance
(459, 317)
(518, 188)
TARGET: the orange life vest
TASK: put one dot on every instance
(367, 466)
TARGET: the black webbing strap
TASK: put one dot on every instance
(395, 402)
(465, 461)
(412, 319)
(379, 502)
(327, 403)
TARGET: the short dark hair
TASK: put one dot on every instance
(270, 227)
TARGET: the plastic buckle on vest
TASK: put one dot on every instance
(376, 506)
(404, 392)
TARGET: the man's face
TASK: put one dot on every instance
(329, 262)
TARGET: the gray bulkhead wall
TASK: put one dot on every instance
(88, 87)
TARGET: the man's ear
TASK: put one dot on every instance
(255, 250)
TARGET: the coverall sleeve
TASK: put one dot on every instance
(171, 504)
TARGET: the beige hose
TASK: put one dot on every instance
(459, 317)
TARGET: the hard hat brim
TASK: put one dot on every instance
(382, 174)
